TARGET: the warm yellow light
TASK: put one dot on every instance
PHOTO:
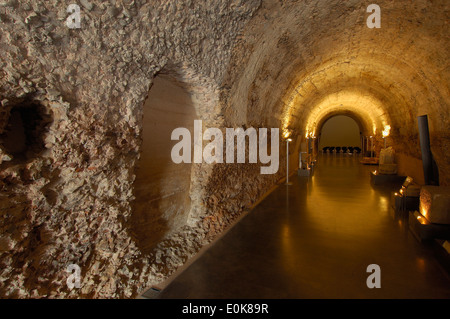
(387, 130)
(421, 220)
(424, 212)
(286, 134)
(421, 264)
(289, 140)
(367, 107)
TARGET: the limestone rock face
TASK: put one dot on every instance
(70, 204)
(283, 64)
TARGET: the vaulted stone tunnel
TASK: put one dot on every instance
(109, 93)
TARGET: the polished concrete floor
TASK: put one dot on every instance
(315, 239)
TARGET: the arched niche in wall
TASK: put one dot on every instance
(23, 126)
(161, 187)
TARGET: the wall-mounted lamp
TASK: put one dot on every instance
(371, 147)
(387, 130)
(287, 161)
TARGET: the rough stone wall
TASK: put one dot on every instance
(246, 63)
(70, 204)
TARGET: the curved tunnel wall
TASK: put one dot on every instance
(248, 64)
(309, 61)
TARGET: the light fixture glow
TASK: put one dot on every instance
(424, 212)
(287, 160)
(387, 130)
(421, 220)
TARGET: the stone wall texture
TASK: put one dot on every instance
(245, 63)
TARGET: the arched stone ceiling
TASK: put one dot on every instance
(299, 58)
(368, 109)
(297, 62)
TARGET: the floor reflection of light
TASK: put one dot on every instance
(343, 200)
(421, 264)
(286, 231)
(372, 193)
(384, 203)
(288, 251)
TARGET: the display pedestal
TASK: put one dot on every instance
(378, 179)
(305, 172)
(423, 230)
(405, 203)
(369, 161)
